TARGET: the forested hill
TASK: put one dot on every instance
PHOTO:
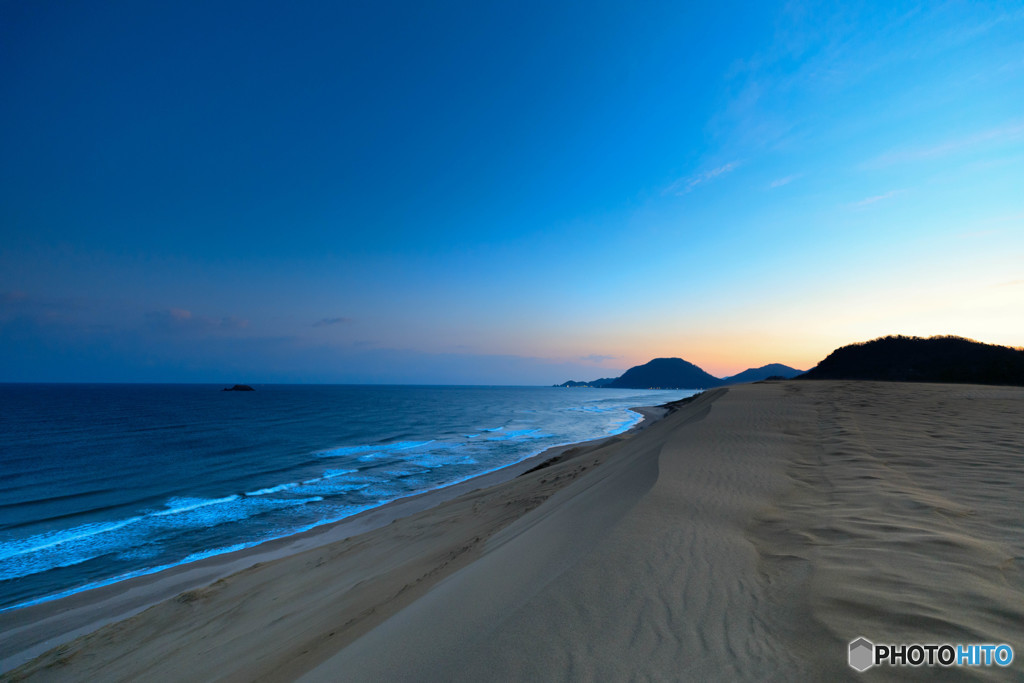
(918, 359)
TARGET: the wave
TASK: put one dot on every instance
(74, 546)
(518, 434)
(435, 460)
(273, 489)
(326, 487)
(329, 474)
(353, 450)
(189, 504)
(50, 520)
(625, 425)
(45, 541)
(47, 500)
(194, 557)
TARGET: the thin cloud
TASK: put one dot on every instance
(784, 181)
(324, 322)
(597, 358)
(1003, 134)
(17, 303)
(877, 198)
(182, 320)
(1011, 283)
(686, 185)
(811, 54)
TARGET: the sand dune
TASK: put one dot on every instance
(748, 536)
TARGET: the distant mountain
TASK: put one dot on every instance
(597, 383)
(676, 373)
(665, 373)
(917, 359)
(762, 373)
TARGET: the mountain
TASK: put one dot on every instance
(676, 373)
(763, 372)
(918, 359)
(665, 373)
(604, 381)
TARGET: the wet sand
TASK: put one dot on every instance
(750, 535)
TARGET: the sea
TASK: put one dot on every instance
(104, 482)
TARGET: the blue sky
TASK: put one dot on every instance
(500, 194)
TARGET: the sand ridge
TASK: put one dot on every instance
(907, 513)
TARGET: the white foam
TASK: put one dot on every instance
(331, 474)
(517, 434)
(433, 461)
(353, 450)
(34, 544)
(273, 489)
(189, 504)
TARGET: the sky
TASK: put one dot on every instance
(500, 193)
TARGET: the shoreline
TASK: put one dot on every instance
(37, 627)
(751, 534)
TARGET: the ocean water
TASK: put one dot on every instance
(99, 483)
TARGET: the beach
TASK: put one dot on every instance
(750, 534)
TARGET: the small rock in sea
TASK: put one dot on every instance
(240, 387)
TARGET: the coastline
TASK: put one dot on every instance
(751, 534)
(36, 628)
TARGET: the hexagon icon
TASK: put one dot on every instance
(862, 654)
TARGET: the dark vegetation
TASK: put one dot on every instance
(919, 359)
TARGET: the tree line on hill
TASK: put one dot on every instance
(916, 359)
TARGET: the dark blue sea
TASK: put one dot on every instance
(99, 483)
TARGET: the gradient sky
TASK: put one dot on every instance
(515, 193)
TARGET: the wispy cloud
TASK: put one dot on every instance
(687, 184)
(597, 358)
(324, 322)
(1011, 132)
(183, 320)
(965, 34)
(814, 52)
(867, 201)
(1011, 283)
(784, 181)
(21, 304)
